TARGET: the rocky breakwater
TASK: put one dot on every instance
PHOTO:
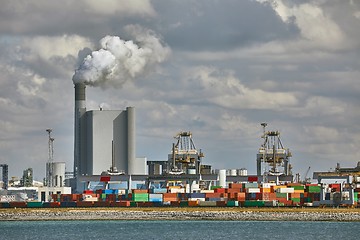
(235, 214)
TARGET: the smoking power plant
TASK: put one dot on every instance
(106, 171)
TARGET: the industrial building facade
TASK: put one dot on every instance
(103, 138)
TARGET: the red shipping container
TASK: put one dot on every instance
(232, 196)
(55, 204)
(252, 179)
(18, 204)
(220, 190)
(268, 196)
(175, 203)
(220, 203)
(105, 179)
(123, 203)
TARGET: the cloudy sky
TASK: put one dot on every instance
(215, 68)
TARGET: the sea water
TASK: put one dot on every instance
(134, 230)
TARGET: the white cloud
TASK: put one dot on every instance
(317, 28)
(47, 47)
(223, 89)
(123, 7)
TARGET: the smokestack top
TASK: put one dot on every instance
(80, 91)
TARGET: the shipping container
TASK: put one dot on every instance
(159, 190)
(236, 185)
(285, 190)
(140, 197)
(250, 185)
(67, 204)
(313, 189)
(196, 195)
(34, 204)
(251, 203)
(84, 204)
(253, 190)
(207, 204)
(232, 204)
(221, 203)
(193, 203)
(155, 197)
(18, 204)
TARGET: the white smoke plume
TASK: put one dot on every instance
(118, 61)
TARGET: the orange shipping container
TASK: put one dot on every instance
(139, 191)
(233, 190)
(193, 203)
(235, 185)
(213, 195)
(265, 190)
(294, 195)
(240, 196)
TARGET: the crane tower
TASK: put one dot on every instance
(185, 158)
(49, 164)
(273, 154)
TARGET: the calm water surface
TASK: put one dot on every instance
(135, 230)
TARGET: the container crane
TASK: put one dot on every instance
(273, 153)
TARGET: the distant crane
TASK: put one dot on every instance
(273, 154)
(184, 155)
(5, 175)
(306, 179)
(49, 164)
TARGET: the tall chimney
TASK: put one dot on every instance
(79, 129)
(131, 151)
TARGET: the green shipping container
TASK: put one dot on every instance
(184, 204)
(133, 204)
(249, 203)
(313, 189)
(214, 187)
(140, 197)
(281, 195)
(34, 204)
(232, 204)
(296, 200)
(298, 187)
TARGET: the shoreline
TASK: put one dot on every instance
(193, 213)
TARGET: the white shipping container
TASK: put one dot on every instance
(268, 185)
(122, 191)
(177, 190)
(207, 191)
(253, 190)
(358, 179)
(155, 196)
(196, 199)
(285, 190)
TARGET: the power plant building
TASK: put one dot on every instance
(103, 138)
